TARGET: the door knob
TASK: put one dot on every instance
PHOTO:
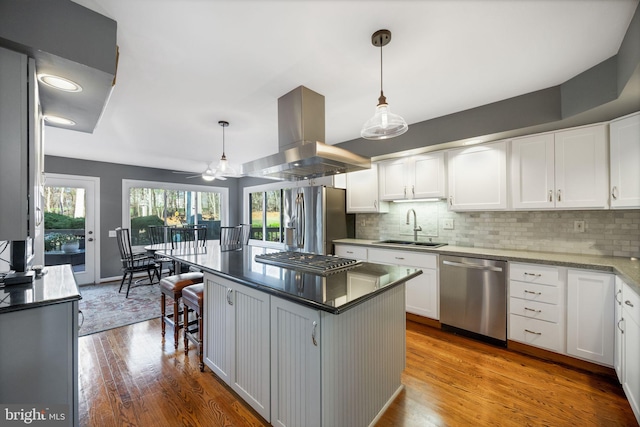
(90, 239)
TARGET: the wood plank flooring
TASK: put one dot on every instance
(129, 377)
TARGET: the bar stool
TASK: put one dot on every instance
(172, 287)
(192, 299)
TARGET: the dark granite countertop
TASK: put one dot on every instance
(55, 286)
(333, 293)
(628, 269)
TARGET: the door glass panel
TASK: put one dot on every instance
(209, 213)
(256, 201)
(64, 227)
(273, 215)
(146, 207)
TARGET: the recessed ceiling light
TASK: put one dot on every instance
(59, 83)
(59, 120)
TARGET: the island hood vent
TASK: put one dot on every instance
(302, 155)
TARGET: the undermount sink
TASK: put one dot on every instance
(410, 243)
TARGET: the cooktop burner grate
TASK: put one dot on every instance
(319, 264)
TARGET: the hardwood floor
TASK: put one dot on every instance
(128, 377)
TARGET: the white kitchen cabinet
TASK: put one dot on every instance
(631, 348)
(295, 365)
(422, 292)
(416, 177)
(624, 139)
(237, 339)
(619, 337)
(478, 177)
(590, 316)
(536, 306)
(351, 251)
(562, 170)
(362, 192)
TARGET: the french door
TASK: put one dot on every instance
(71, 234)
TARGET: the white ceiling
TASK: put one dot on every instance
(186, 64)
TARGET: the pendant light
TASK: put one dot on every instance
(384, 124)
(223, 166)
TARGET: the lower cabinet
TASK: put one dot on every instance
(237, 339)
(619, 323)
(631, 348)
(295, 365)
(590, 316)
(423, 292)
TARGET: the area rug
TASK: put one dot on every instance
(104, 308)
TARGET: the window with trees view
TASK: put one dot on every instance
(266, 215)
(164, 204)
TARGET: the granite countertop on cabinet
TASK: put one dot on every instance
(335, 292)
(626, 268)
(56, 286)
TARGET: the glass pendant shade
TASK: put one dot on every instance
(384, 124)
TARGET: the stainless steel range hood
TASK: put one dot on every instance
(302, 155)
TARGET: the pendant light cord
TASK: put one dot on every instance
(381, 92)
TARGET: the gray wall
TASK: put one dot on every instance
(111, 176)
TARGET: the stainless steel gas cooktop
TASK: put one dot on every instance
(314, 263)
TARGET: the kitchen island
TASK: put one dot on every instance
(39, 350)
(304, 349)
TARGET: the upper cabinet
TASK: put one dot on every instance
(478, 177)
(362, 192)
(625, 162)
(415, 177)
(562, 170)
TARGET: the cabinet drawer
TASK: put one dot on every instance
(536, 332)
(534, 273)
(354, 252)
(403, 258)
(535, 310)
(631, 302)
(534, 292)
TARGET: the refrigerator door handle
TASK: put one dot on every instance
(300, 223)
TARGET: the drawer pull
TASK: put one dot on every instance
(531, 332)
(531, 309)
(619, 301)
(533, 274)
(628, 303)
(621, 330)
(399, 257)
(349, 252)
(532, 292)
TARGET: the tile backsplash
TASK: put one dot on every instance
(606, 232)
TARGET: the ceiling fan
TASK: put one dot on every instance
(223, 168)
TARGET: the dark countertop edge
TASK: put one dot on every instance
(607, 264)
(303, 301)
(31, 305)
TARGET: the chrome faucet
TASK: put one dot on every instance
(416, 228)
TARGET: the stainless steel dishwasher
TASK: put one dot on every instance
(473, 298)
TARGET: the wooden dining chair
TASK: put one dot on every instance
(159, 234)
(230, 236)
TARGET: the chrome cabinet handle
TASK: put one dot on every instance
(229, 301)
(628, 303)
(413, 190)
(531, 292)
(474, 266)
(375, 204)
(405, 191)
(533, 274)
(313, 334)
(618, 324)
(450, 200)
(551, 195)
(614, 190)
(531, 332)
(349, 252)
(559, 195)
(619, 301)
(399, 257)
(531, 309)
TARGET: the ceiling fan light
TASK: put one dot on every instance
(208, 175)
(384, 124)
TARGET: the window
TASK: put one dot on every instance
(154, 203)
(266, 215)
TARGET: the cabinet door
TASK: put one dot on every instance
(218, 333)
(532, 172)
(631, 348)
(423, 296)
(478, 178)
(393, 180)
(250, 376)
(619, 337)
(428, 176)
(625, 161)
(582, 168)
(590, 316)
(295, 365)
(362, 192)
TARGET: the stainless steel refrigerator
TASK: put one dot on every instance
(314, 217)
